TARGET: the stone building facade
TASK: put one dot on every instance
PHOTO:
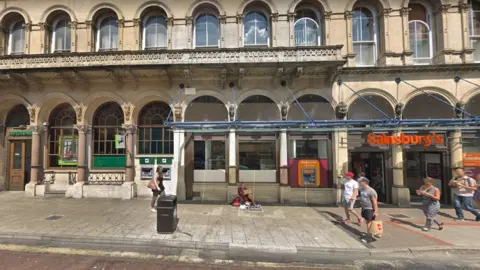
(89, 89)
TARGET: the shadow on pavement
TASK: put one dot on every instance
(408, 223)
(445, 215)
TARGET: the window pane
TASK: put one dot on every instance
(18, 38)
(62, 36)
(156, 32)
(17, 156)
(474, 18)
(108, 33)
(256, 29)
(314, 149)
(420, 41)
(209, 155)
(199, 155)
(365, 54)
(306, 32)
(212, 31)
(201, 31)
(476, 47)
(257, 155)
(363, 27)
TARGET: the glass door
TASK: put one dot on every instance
(17, 166)
(210, 162)
(420, 165)
(373, 166)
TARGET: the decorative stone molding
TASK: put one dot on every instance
(239, 18)
(170, 21)
(231, 111)
(404, 11)
(222, 19)
(399, 110)
(129, 129)
(35, 129)
(464, 7)
(327, 15)
(274, 17)
(180, 57)
(291, 17)
(136, 22)
(177, 112)
(32, 112)
(121, 23)
(284, 111)
(348, 15)
(189, 20)
(341, 110)
(128, 111)
(460, 109)
(73, 25)
(79, 111)
(85, 129)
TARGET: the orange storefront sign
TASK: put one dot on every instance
(471, 159)
(403, 139)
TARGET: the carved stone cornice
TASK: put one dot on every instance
(136, 22)
(348, 15)
(177, 112)
(129, 129)
(121, 23)
(79, 112)
(274, 17)
(404, 11)
(328, 15)
(85, 129)
(464, 7)
(88, 24)
(35, 129)
(222, 19)
(291, 16)
(240, 18)
(32, 112)
(170, 21)
(413, 69)
(73, 25)
(189, 20)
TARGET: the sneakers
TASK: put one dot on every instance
(425, 229)
(459, 219)
(477, 219)
(440, 227)
(153, 210)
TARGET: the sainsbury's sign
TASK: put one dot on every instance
(403, 139)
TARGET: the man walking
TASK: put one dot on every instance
(464, 187)
(349, 196)
(369, 202)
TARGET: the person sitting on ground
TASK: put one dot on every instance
(245, 194)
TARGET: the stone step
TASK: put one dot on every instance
(55, 193)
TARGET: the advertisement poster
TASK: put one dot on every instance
(471, 162)
(68, 151)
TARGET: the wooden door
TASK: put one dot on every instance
(17, 165)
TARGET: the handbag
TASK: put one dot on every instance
(152, 185)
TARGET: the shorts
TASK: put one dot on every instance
(367, 214)
(348, 204)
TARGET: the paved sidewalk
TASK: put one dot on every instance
(277, 229)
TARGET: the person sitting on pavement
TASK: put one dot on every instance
(245, 194)
(349, 196)
(369, 202)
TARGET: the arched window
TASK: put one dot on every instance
(16, 41)
(108, 137)
(307, 28)
(364, 36)
(155, 32)
(61, 35)
(255, 29)
(107, 34)
(153, 137)
(62, 137)
(207, 33)
(474, 23)
(420, 34)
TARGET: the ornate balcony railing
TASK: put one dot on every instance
(49, 177)
(106, 178)
(174, 57)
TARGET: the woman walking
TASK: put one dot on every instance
(431, 203)
(156, 185)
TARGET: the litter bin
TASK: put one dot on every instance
(167, 214)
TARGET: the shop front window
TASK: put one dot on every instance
(471, 153)
(62, 137)
(209, 155)
(308, 149)
(257, 155)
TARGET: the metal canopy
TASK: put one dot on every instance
(469, 123)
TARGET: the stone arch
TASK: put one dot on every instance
(196, 4)
(47, 13)
(359, 109)
(316, 106)
(149, 4)
(323, 3)
(385, 4)
(311, 91)
(423, 106)
(205, 108)
(148, 98)
(59, 108)
(99, 7)
(17, 10)
(51, 101)
(441, 2)
(431, 90)
(472, 104)
(253, 92)
(267, 3)
(470, 94)
(96, 100)
(10, 101)
(23, 117)
(258, 107)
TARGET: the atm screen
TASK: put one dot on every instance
(309, 177)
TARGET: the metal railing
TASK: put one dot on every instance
(106, 178)
(49, 177)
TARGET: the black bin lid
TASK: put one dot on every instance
(167, 200)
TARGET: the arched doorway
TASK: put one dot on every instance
(372, 160)
(432, 160)
(258, 108)
(18, 147)
(205, 153)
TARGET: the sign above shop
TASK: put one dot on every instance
(471, 159)
(19, 133)
(156, 160)
(404, 139)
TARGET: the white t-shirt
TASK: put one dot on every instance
(350, 186)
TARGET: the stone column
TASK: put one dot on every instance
(3, 40)
(350, 52)
(456, 151)
(232, 165)
(137, 29)
(407, 53)
(467, 53)
(328, 19)
(76, 190)
(284, 185)
(400, 193)
(36, 166)
(28, 33)
(189, 26)
(291, 26)
(223, 22)
(90, 36)
(128, 188)
(340, 148)
(44, 46)
(120, 24)
(178, 167)
(73, 36)
(240, 30)
(171, 25)
(274, 19)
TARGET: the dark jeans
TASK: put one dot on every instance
(466, 202)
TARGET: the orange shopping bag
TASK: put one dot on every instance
(376, 228)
